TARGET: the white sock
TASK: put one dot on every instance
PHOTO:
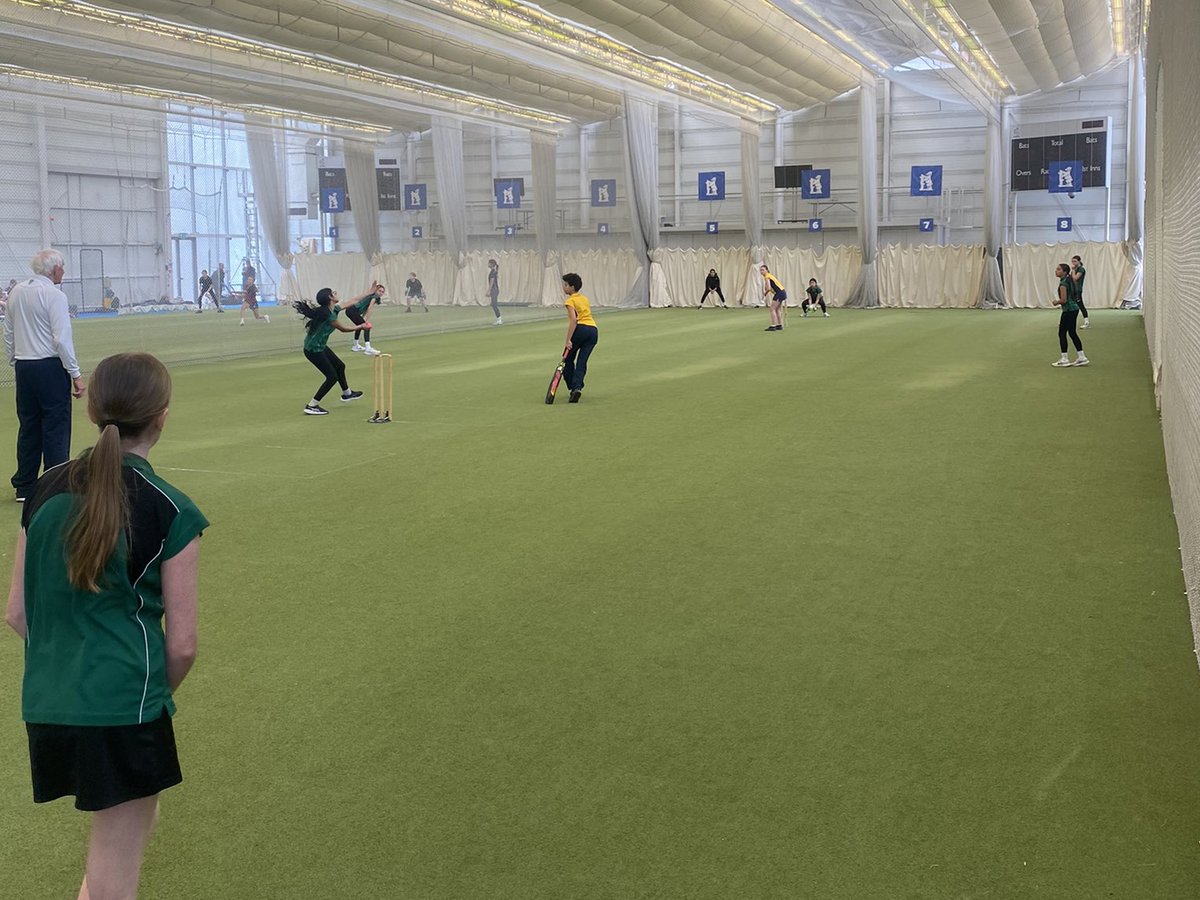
(367, 345)
(1064, 357)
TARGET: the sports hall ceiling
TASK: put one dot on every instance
(394, 63)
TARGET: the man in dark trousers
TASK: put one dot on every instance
(712, 283)
(37, 341)
(206, 289)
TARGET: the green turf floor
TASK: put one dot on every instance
(882, 606)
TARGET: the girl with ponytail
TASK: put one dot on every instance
(322, 319)
(106, 550)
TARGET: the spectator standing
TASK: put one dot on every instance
(39, 346)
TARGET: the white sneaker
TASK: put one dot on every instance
(1081, 361)
(1087, 324)
(826, 315)
(243, 322)
(357, 348)
(267, 319)
(1061, 363)
(499, 321)
(371, 351)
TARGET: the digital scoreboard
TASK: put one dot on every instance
(1035, 147)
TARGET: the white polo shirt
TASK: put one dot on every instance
(38, 324)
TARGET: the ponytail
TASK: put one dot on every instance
(103, 512)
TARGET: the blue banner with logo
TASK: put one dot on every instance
(926, 181)
(814, 184)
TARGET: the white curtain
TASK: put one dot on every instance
(544, 155)
(865, 293)
(835, 268)
(1029, 273)
(991, 286)
(749, 282)
(929, 276)
(264, 144)
(1135, 191)
(435, 270)
(686, 268)
(641, 169)
(346, 273)
(363, 188)
(452, 195)
(608, 275)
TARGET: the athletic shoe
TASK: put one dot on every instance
(1061, 363)
(371, 351)
(357, 348)
(408, 309)
(20, 498)
(499, 321)
(199, 311)
(351, 395)
(315, 411)
(826, 315)
(267, 319)
(723, 306)
(1086, 324)
(243, 322)
(804, 316)
(1081, 361)
(574, 398)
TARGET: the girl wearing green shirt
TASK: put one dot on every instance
(106, 550)
(1066, 321)
(322, 320)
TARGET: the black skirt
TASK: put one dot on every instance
(102, 766)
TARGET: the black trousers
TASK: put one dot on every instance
(708, 291)
(1066, 326)
(496, 304)
(807, 303)
(44, 414)
(331, 366)
(1082, 308)
(583, 342)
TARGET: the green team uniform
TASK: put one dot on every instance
(1070, 305)
(100, 659)
(317, 337)
(1077, 286)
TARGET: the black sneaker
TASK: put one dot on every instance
(315, 411)
(351, 395)
(574, 398)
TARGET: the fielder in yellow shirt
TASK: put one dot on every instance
(582, 334)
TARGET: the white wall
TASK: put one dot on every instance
(84, 178)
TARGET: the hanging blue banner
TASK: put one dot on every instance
(1065, 177)
(814, 184)
(926, 181)
(604, 192)
(508, 194)
(416, 196)
(711, 186)
(333, 200)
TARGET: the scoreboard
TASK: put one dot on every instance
(1036, 146)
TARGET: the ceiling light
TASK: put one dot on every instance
(961, 46)
(1117, 9)
(163, 29)
(535, 25)
(187, 99)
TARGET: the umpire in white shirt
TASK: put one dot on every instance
(37, 340)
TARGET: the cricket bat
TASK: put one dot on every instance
(557, 376)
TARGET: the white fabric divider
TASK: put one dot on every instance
(928, 276)
(836, 270)
(450, 172)
(346, 273)
(1029, 273)
(543, 150)
(995, 199)
(520, 277)
(865, 292)
(1135, 193)
(641, 167)
(608, 275)
(362, 186)
(434, 270)
(686, 269)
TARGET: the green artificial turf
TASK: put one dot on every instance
(883, 606)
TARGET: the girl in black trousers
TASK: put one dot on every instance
(712, 283)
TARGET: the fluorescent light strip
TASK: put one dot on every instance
(1117, 9)
(159, 94)
(966, 37)
(169, 30)
(980, 57)
(842, 35)
(533, 24)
